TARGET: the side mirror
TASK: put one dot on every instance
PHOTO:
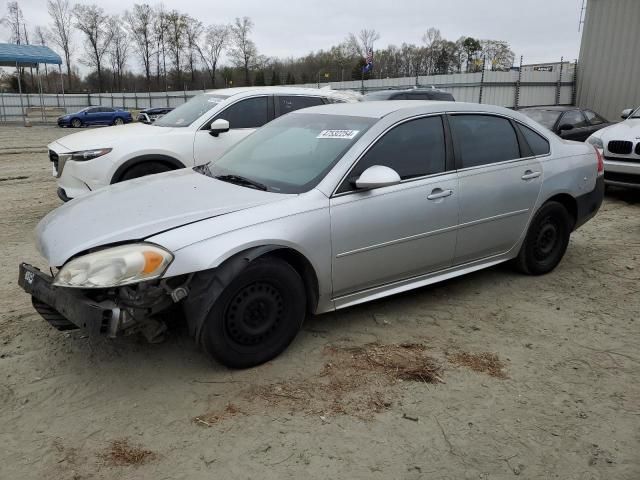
(564, 127)
(85, 112)
(218, 126)
(377, 176)
(626, 113)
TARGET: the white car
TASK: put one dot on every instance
(620, 146)
(197, 132)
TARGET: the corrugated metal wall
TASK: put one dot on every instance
(609, 65)
(498, 88)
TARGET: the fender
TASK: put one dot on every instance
(145, 158)
(206, 286)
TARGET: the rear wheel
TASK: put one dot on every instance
(257, 316)
(118, 121)
(143, 169)
(76, 123)
(546, 241)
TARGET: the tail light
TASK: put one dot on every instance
(600, 161)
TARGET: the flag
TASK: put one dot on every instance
(368, 62)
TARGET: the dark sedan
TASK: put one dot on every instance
(150, 115)
(95, 116)
(570, 123)
(410, 94)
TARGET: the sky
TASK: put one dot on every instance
(540, 30)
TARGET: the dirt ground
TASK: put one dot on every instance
(491, 376)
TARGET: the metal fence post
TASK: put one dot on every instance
(4, 112)
(559, 84)
(484, 61)
(135, 97)
(574, 88)
(517, 101)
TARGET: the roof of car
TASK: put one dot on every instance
(391, 91)
(553, 108)
(275, 89)
(379, 109)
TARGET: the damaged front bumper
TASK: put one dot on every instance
(111, 312)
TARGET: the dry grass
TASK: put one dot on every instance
(211, 418)
(355, 381)
(122, 453)
(484, 362)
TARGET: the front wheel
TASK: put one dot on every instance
(76, 123)
(143, 169)
(546, 241)
(257, 316)
(118, 121)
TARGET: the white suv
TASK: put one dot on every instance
(197, 132)
(620, 146)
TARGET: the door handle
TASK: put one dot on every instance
(529, 175)
(437, 193)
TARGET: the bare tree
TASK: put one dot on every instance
(93, 23)
(176, 41)
(432, 40)
(140, 21)
(360, 44)
(193, 31)
(118, 51)
(215, 41)
(498, 54)
(159, 30)
(41, 35)
(244, 51)
(60, 29)
(14, 19)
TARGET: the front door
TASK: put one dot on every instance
(244, 117)
(396, 232)
(581, 128)
(497, 187)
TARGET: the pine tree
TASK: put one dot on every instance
(291, 80)
(275, 78)
(259, 80)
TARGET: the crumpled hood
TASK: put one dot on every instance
(627, 130)
(108, 137)
(139, 208)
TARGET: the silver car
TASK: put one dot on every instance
(321, 209)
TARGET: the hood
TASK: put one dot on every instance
(627, 130)
(137, 209)
(109, 137)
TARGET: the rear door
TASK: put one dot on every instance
(244, 116)
(499, 182)
(290, 103)
(107, 115)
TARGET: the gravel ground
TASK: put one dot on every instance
(559, 396)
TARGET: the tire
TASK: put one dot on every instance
(144, 168)
(76, 123)
(257, 316)
(546, 241)
(118, 121)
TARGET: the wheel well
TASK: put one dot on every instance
(304, 268)
(164, 159)
(568, 202)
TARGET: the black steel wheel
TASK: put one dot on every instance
(257, 316)
(546, 241)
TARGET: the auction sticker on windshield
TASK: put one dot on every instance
(345, 134)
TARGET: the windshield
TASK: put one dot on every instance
(293, 153)
(635, 114)
(189, 112)
(546, 118)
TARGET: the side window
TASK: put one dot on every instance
(398, 96)
(249, 113)
(593, 118)
(291, 103)
(483, 139)
(573, 117)
(413, 149)
(538, 144)
(94, 110)
(108, 110)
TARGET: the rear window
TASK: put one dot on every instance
(538, 144)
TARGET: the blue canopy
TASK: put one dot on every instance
(27, 55)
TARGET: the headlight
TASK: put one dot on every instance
(115, 266)
(89, 154)
(596, 142)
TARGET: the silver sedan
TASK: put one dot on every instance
(321, 209)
